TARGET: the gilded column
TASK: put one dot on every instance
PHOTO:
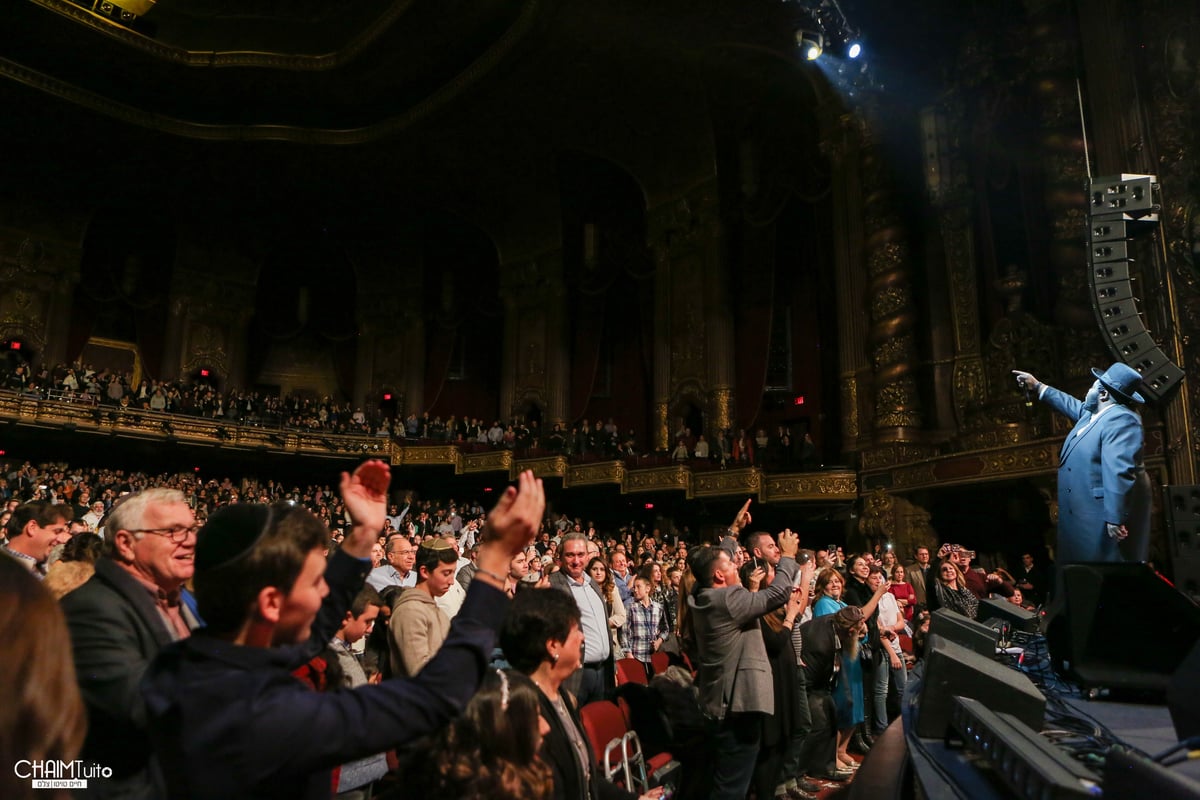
(558, 358)
(413, 324)
(893, 313)
(840, 142)
(958, 373)
(719, 348)
(364, 364)
(659, 434)
(1059, 141)
(177, 313)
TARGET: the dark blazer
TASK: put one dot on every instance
(232, 722)
(116, 631)
(559, 754)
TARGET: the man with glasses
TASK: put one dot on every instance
(401, 557)
(129, 610)
(33, 530)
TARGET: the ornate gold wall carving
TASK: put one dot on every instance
(491, 461)
(553, 467)
(595, 474)
(810, 486)
(1172, 100)
(653, 480)
(1012, 461)
(726, 482)
(888, 518)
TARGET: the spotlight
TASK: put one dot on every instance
(811, 44)
(854, 50)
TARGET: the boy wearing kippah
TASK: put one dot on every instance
(229, 720)
(418, 627)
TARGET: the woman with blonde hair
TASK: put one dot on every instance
(42, 716)
(950, 591)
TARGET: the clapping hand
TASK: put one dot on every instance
(365, 496)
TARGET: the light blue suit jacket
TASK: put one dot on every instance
(1100, 479)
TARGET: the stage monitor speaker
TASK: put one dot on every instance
(1183, 531)
(1021, 757)
(951, 669)
(972, 635)
(1130, 774)
(1019, 619)
(1120, 626)
(1182, 698)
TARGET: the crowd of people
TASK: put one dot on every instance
(585, 440)
(117, 390)
(204, 622)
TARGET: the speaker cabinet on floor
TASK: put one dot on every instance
(1182, 698)
(951, 669)
(1120, 626)
(1182, 504)
(962, 630)
(1019, 619)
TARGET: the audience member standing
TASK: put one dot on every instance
(131, 608)
(597, 673)
(734, 672)
(401, 557)
(33, 530)
(229, 718)
(918, 575)
(418, 627)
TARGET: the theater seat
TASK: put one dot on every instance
(630, 670)
(605, 727)
(660, 661)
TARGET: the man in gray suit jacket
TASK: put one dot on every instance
(735, 673)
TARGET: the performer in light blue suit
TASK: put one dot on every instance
(1103, 489)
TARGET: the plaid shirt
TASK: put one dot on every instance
(642, 626)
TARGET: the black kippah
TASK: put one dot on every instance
(230, 533)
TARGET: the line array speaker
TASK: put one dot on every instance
(1119, 208)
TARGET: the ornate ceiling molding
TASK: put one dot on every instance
(103, 103)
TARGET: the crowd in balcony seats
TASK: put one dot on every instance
(497, 638)
(115, 390)
(587, 440)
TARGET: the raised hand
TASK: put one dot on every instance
(1026, 380)
(743, 518)
(365, 496)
